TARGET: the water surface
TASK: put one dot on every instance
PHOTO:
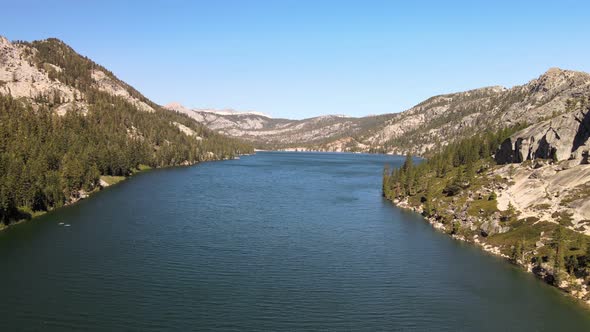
(276, 241)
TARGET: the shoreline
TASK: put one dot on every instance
(541, 275)
(102, 186)
(337, 152)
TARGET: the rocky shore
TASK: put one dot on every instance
(574, 287)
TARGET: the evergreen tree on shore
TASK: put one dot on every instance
(46, 159)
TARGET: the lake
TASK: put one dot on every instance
(274, 241)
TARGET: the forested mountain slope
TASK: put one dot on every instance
(65, 121)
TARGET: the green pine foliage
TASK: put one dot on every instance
(457, 163)
(444, 181)
(47, 160)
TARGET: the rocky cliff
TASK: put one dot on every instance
(560, 138)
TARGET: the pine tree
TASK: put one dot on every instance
(559, 258)
(386, 189)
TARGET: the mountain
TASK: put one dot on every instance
(271, 133)
(69, 126)
(511, 174)
(432, 123)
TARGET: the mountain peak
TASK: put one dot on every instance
(175, 106)
(556, 73)
(553, 70)
(557, 78)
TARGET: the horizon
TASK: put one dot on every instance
(299, 60)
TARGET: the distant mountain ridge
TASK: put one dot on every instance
(175, 106)
(430, 124)
(277, 133)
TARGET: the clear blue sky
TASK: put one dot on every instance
(301, 58)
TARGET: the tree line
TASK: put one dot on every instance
(457, 160)
(435, 182)
(46, 159)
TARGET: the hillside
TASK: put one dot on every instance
(69, 126)
(522, 192)
(432, 123)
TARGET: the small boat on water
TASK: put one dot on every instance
(67, 225)
(61, 223)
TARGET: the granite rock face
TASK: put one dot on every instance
(561, 138)
(21, 76)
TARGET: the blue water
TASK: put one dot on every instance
(275, 241)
